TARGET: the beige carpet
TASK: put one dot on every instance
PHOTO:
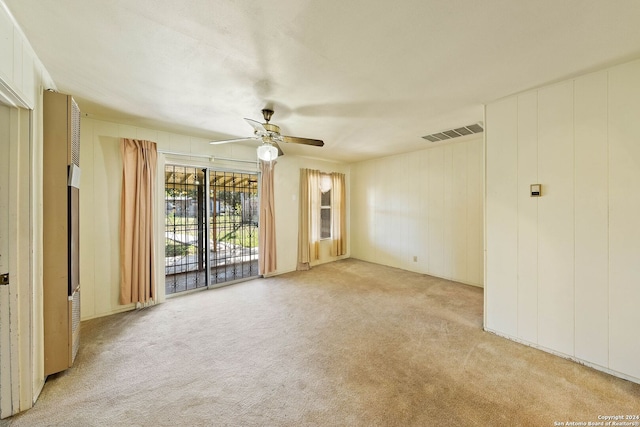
(345, 344)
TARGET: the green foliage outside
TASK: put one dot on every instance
(230, 198)
(229, 229)
(173, 248)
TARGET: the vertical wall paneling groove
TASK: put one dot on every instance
(436, 212)
(501, 210)
(379, 218)
(527, 217)
(425, 209)
(447, 212)
(458, 241)
(475, 212)
(378, 232)
(356, 195)
(367, 178)
(384, 215)
(369, 208)
(392, 212)
(414, 214)
(401, 213)
(591, 219)
(624, 226)
(556, 218)
(373, 201)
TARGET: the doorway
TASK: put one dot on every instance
(17, 290)
(211, 227)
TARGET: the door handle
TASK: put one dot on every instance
(4, 279)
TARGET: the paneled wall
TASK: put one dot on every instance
(422, 211)
(562, 270)
(20, 68)
(100, 203)
(22, 80)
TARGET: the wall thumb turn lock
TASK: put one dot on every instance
(536, 190)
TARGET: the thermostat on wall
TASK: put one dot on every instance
(536, 190)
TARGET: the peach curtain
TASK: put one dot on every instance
(137, 210)
(309, 219)
(338, 215)
(267, 221)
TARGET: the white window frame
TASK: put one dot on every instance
(328, 209)
(324, 207)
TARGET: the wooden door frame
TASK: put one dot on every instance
(16, 299)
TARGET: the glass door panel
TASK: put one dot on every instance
(233, 226)
(185, 252)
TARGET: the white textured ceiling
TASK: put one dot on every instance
(368, 77)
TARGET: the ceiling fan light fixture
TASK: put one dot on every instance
(267, 152)
(270, 135)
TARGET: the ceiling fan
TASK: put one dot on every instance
(270, 136)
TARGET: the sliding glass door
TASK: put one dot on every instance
(234, 227)
(211, 227)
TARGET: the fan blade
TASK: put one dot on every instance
(225, 141)
(305, 141)
(257, 126)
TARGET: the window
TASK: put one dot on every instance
(322, 215)
(325, 215)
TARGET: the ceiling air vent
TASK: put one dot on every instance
(454, 133)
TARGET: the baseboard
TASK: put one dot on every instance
(452, 279)
(314, 264)
(37, 392)
(128, 307)
(566, 356)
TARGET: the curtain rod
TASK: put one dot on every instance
(206, 156)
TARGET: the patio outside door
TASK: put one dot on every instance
(211, 227)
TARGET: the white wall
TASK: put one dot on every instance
(100, 203)
(22, 79)
(562, 270)
(426, 204)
